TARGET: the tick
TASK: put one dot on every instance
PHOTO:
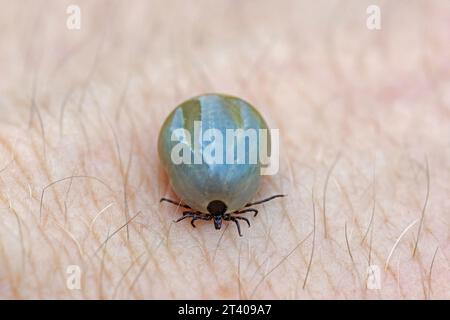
(210, 147)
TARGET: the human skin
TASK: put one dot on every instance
(364, 123)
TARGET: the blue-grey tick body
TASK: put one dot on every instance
(210, 148)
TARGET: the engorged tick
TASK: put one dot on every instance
(192, 149)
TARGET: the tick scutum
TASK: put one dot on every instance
(217, 209)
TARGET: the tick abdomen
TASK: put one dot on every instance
(209, 175)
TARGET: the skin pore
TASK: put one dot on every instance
(365, 149)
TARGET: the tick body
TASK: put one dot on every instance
(206, 146)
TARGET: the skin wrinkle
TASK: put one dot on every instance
(8, 201)
(324, 202)
(44, 168)
(54, 255)
(239, 276)
(224, 286)
(101, 273)
(427, 66)
(24, 173)
(125, 175)
(356, 222)
(429, 274)
(63, 110)
(150, 252)
(424, 208)
(212, 266)
(423, 278)
(350, 113)
(357, 274)
(102, 267)
(258, 271)
(398, 279)
(62, 180)
(7, 267)
(149, 258)
(371, 221)
(36, 110)
(124, 276)
(10, 150)
(21, 237)
(201, 245)
(66, 199)
(278, 265)
(333, 283)
(116, 231)
(313, 239)
(72, 237)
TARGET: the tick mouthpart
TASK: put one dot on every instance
(217, 222)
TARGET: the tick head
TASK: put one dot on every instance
(218, 222)
(217, 208)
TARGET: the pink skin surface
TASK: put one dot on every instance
(365, 149)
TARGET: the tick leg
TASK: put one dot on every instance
(245, 219)
(175, 203)
(247, 210)
(197, 216)
(235, 221)
(186, 214)
(265, 200)
(182, 218)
